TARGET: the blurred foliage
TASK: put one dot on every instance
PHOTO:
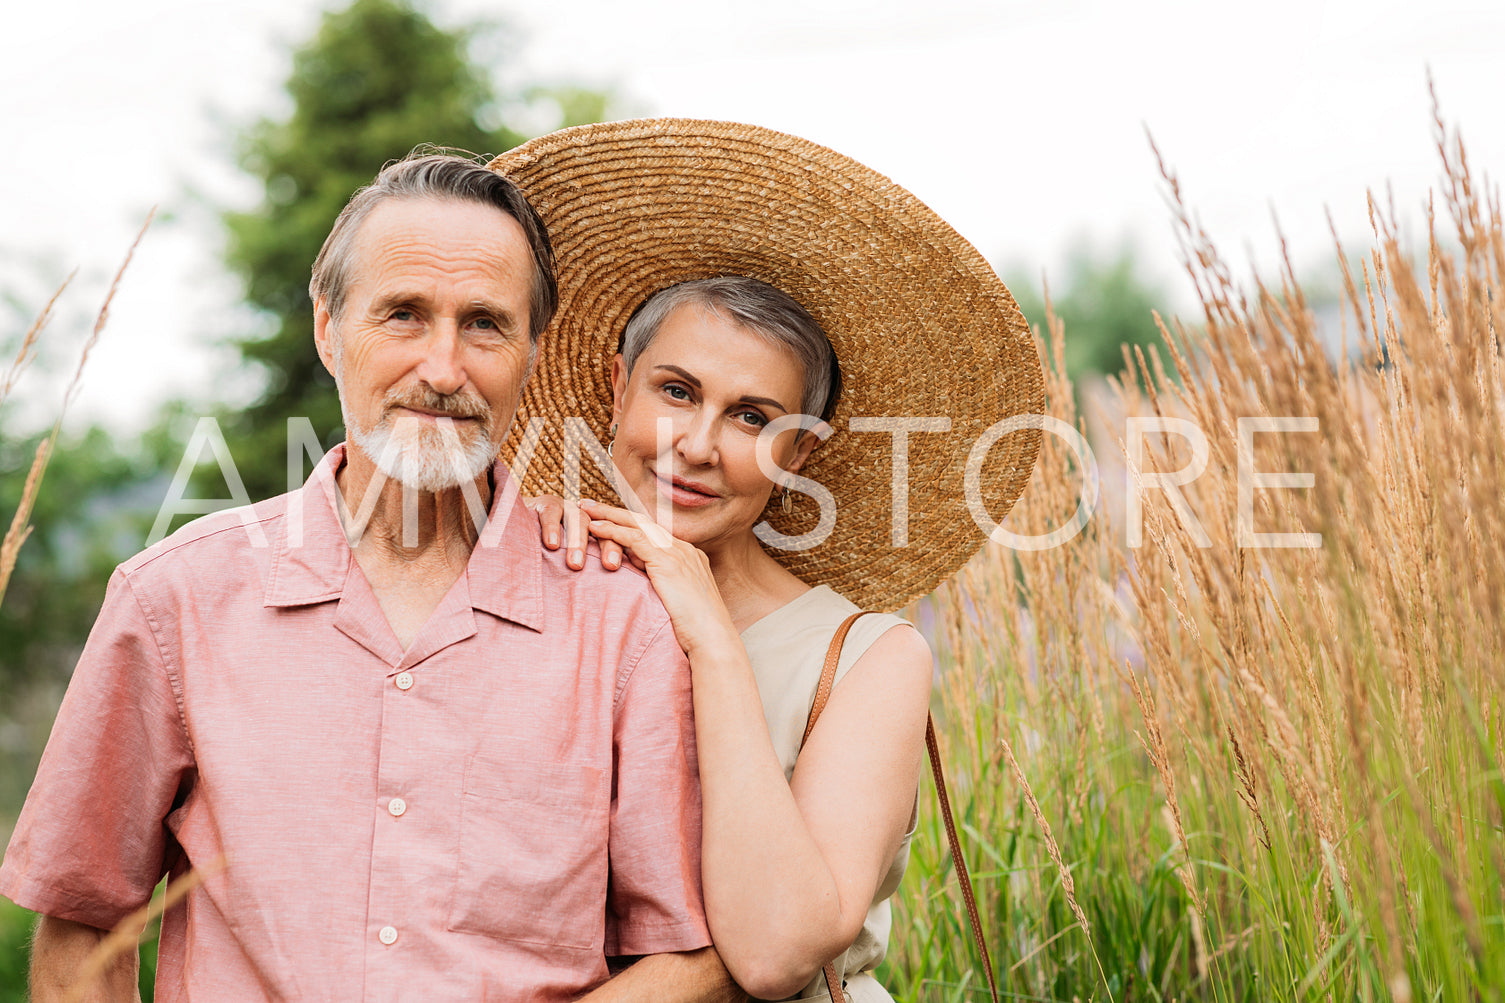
(15, 938)
(96, 503)
(376, 81)
(1105, 303)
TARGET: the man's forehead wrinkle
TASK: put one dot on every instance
(438, 261)
(392, 240)
(415, 272)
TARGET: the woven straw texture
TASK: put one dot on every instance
(921, 325)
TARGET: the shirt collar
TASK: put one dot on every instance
(506, 566)
(313, 558)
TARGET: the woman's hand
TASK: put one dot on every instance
(680, 573)
(558, 522)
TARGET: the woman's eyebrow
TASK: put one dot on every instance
(691, 379)
(683, 374)
(765, 401)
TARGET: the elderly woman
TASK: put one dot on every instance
(659, 227)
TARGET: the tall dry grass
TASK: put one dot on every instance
(129, 931)
(1234, 773)
(20, 524)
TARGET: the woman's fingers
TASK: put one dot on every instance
(611, 551)
(601, 510)
(628, 538)
(563, 525)
(551, 511)
(574, 536)
(633, 542)
(660, 536)
(560, 523)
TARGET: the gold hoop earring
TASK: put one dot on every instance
(613, 441)
(785, 503)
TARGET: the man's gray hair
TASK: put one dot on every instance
(445, 177)
(759, 307)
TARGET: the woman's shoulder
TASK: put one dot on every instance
(836, 608)
(817, 609)
(787, 650)
(866, 631)
(807, 623)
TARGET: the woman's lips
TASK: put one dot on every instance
(686, 494)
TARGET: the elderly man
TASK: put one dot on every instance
(411, 755)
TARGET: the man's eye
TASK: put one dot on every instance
(404, 316)
(485, 324)
(677, 392)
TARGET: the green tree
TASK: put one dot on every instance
(378, 79)
(1104, 303)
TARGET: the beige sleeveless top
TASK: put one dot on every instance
(787, 649)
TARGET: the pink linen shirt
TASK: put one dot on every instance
(489, 814)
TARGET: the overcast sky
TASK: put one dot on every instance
(1023, 124)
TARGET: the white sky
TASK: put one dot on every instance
(1021, 123)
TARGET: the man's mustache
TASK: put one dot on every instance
(455, 405)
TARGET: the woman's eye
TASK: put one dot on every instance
(753, 418)
(677, 392)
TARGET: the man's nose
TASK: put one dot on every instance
(442, 366)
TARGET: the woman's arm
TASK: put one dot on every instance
(789, 868)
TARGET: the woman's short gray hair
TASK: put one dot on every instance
(759, 307)
(446, 177)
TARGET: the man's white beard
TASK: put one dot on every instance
(423, 455)
(419, 454)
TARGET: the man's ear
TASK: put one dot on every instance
(324, 335)
(618, 387)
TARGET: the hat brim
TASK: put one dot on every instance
(921, 326)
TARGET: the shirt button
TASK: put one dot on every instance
(397, 806)
(387, 935)
(404, 680)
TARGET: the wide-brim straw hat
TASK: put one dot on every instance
(921, 325)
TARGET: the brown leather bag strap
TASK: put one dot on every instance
(962, 876)
(822, 694)
(828, 673)
(833, 984)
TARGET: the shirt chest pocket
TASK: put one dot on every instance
(533, 853)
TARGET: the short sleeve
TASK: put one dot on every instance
(863, 634)
(91, 842)
(655, 904)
